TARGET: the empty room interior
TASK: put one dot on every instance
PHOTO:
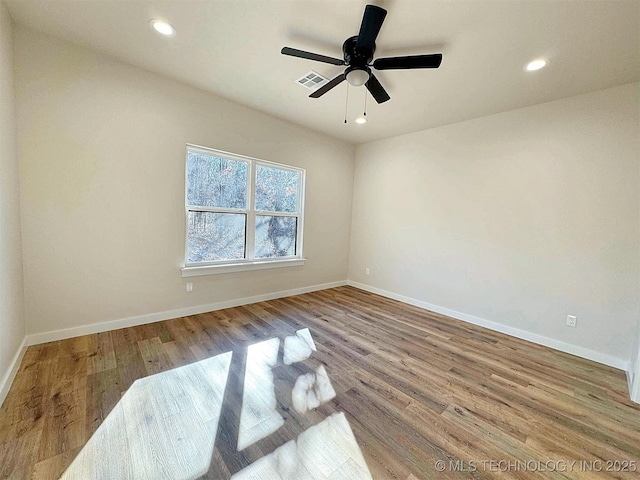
(319, 239)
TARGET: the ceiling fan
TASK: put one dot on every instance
(358, 53)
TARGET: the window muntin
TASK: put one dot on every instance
(240, 209)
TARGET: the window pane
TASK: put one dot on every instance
(216, 182)
(276, 189)
(275, 236)
(215, 236)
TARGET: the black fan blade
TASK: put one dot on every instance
(294, 52)
(370, 27)
(414, 61)
(328, 86)
(377, 91)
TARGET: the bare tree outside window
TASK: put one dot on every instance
(241, 209)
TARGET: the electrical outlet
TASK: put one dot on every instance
(366, 271)
(571, 320)
(189, 287)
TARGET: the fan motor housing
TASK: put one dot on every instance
(357, 58)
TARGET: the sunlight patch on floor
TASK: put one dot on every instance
(327, 451)
(165, 425)
(259, 417)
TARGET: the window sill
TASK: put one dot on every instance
(195, 271)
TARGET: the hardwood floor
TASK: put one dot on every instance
(317, 385)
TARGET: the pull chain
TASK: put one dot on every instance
(346, 104)
(365, 103)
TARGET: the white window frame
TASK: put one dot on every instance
(249, 262)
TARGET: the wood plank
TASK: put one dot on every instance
(416, 387)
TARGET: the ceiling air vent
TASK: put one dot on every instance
(312, 80)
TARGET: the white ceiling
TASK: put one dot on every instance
(232, 48)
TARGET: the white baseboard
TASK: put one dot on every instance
(598, 357)
(51, 336)
(7, 380)
(45, 337)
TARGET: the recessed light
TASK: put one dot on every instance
(536, 64)
(162, 27)
(361, 120)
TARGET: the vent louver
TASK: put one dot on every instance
(312, 80)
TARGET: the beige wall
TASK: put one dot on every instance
(634, 371)
(102, 153)
(12, 327)
(518, 218)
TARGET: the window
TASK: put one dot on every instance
(242, 213)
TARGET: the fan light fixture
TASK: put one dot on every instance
(357, 77)
(361, 120)
(536, 64)
(357, 56)
(162, 27)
